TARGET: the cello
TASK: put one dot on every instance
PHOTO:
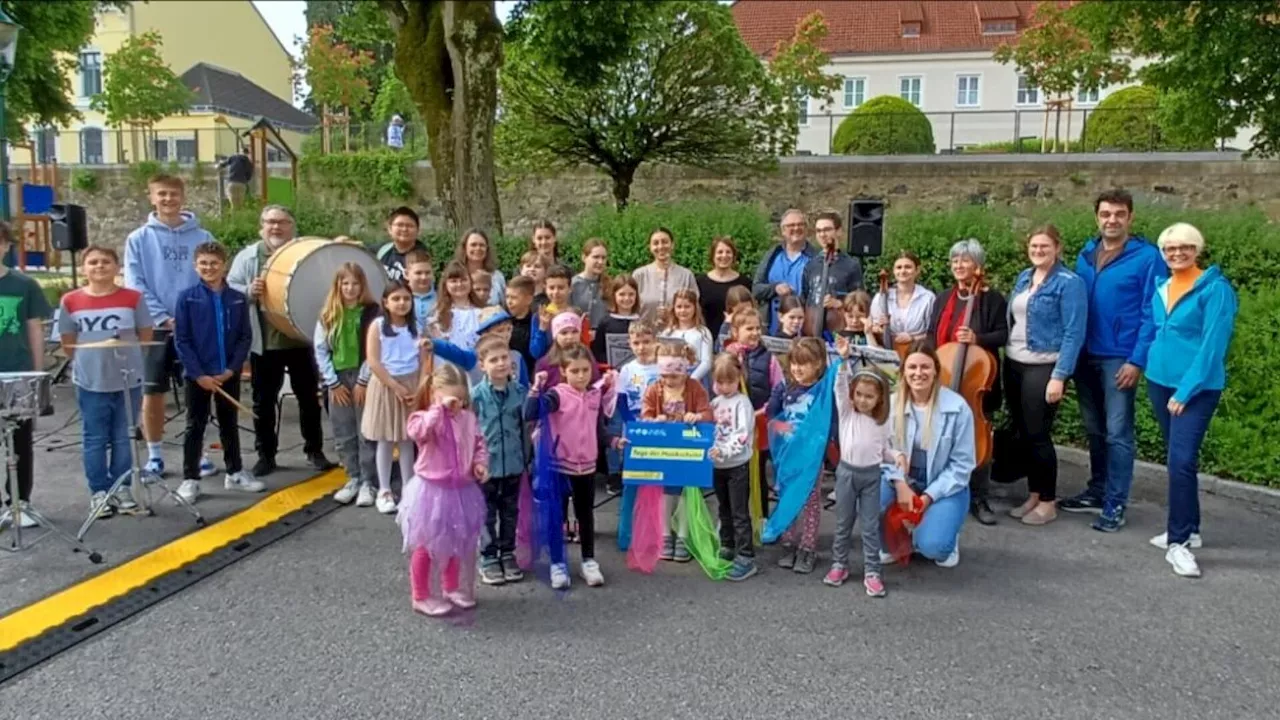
(970, 370)
(817, 318)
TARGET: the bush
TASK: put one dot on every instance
(370, 175)
(85, 181)
(1141, 118)
(884, 125)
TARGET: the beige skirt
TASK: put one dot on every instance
(384, 413)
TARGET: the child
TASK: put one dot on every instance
(339, 345)
(634, 379)
(421, 276)
(763, 373)
(534, 266)
(557, 284)
(395, 358)
(587, 288)
(519, 302)
(566, 334)
(738, 299)
(623, 302)
(482, 285)
(731, 456)
(458, 312)
(544, 241)
(213, 337)
(576, 410)
(790, 317)
(494, 322)
(855, 314)
(686, 324)
(499, 400)
(443, 511)
(862, 401)
(402, 230)
(789, 405)
(677, 397)
(102, 311)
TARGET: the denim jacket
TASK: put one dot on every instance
(951, 451)
(499, 413)
(1057, 316)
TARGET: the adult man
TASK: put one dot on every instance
(274, 352)
(781, 271)
(1120, 271)
(402, 228)
(239, 174)
(833, 273)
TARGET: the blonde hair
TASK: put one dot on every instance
(670, 347)
(1181, 234)
(809, 351)
(727, 368)
(689, 296)
(444, 307)
(918, 347)
(447, 375)
(741, 319)
(331, 313)
(490, 344)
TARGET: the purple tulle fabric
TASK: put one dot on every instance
(444, 517)
(525, 539)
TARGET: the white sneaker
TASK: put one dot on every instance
(560, 576)
(189, 490)
(887, 558)
(124, 502)
(386, 502)
(951, 560)
(207, 468)
(366, 497)
(243, 481)
(100, 505)
(1183, 562)
(1162, 541)
(591, 573)
(347, 493)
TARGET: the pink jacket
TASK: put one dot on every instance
(577, 422)
(427, 428)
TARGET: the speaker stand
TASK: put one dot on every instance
(73, 270)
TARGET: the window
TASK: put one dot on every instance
(46, 145)
(855, 91)
(160, 149)
(90, 73)
(909, 89)
(1028, 94)
(274, 155)
(186, 150)
(1087, 96)
(802, 110)
(90, 146)
(911, 30)
(967, 90)
(999, 27)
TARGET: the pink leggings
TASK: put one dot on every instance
(424, 581)
(807, 522)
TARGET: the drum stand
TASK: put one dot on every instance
(18, 509)
(140, 482)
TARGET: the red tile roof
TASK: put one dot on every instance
(874, 27)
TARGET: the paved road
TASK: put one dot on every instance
(1054, 622)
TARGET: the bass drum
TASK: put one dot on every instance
(299, 276)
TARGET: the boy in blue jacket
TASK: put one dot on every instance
(498, 399)
(212, 336)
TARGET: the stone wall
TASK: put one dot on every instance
(1203, 180)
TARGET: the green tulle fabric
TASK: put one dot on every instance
(704, 540)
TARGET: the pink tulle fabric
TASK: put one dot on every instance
(648, 527)
(525, 540)
(443, 516)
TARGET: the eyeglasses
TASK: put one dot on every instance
(1179, 249)
(269, 221)
(823, 230)
(793, 226)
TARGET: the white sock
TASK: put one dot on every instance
(153, 450)
(382, 458)
(406, 462)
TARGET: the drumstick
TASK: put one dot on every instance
(235, 402)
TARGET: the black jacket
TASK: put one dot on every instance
(844, 275)
(990, 326)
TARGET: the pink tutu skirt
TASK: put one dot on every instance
(444, 519)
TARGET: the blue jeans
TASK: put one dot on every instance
(939, 529)
(1108, 420)
(106, 428)
(1183, 435)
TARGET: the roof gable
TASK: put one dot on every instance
(231, 92)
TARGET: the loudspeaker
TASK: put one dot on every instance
(69, 226)
(866, 228)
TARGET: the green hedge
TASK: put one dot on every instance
(884, 125)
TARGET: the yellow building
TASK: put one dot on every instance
(226, 54)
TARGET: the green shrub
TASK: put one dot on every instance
(1141, 118)
(371, 175)
(1026, 145)
(141, 171)
(884, 125)
(238, 228)
(85, 181)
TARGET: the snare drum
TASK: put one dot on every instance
(26, 394)
(298, 277)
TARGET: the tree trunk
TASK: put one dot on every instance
(622, 179)
(447, 54)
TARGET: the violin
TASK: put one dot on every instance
(888, 341)
(817, 318)
(970, 370)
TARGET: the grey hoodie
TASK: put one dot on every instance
(159, 262)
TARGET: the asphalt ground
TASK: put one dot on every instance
(1052, 622)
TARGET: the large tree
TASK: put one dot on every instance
(448, 53)
(336, 74)
(1217, 62)
(362, 26)
(138, 86)
(619, 83)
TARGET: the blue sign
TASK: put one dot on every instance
(668, 453)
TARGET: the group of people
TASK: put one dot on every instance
(472, 384)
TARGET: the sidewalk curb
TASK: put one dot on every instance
(1155, 478)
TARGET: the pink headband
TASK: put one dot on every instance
(668, 365)
(566, 321)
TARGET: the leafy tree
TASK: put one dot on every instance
(447, 54)
(138, 86)
(39, 89)
(362, 26)
(392, 97)
(1218, 61)
(335, 73)
(650, 82)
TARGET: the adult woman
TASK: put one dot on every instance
(661, 279)
(905, 311)
(1048, 313)
(714, 284)
(544, 242)
(988, 328)
(1194, 313)
(475, 252)
(934, 428)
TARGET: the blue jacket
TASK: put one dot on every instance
(1190, 349)
(499, 413)
(1057, 316)
(1120, 299)
(762, 286)
(211, 330)
(951, 452)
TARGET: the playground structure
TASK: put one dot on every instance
(30, 217)
(259, 137)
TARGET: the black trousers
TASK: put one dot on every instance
(733, 495)
(199, 401)
(1033, 424)
(22, 449)
(501, 498)
(268, 377)
(582, 489)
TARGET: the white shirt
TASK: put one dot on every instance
(1017, 349)
(399, 351)
(735, 429)
(863, 442)
(914, 318)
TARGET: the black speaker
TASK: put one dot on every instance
(70, 227)
(866, 228)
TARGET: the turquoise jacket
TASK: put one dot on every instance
(1189, 353)
(499, 414)
(951, 452)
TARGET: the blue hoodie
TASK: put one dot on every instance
(1120, 299)
(1189, 353)
(159, 262)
